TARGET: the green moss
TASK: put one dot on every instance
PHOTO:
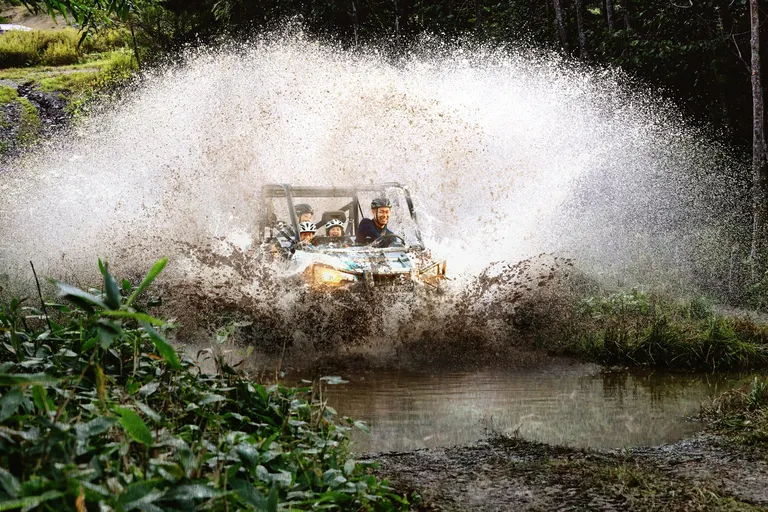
(8, 95)
(29, 122)
(69, 83)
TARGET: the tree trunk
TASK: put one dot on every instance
(759, 162)
(560, 22)
(627, 17)
(355, 21)
(479, 15)
(580, 28)
(609, 15)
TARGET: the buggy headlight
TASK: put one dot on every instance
(325, 276)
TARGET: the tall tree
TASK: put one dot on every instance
(580, 27)
(560, 23)
(479, 15)
(627, 17)
(759, 161)
(609, 15)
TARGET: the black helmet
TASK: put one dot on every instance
(303, 208)
(380, 202)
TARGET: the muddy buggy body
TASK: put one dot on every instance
(398, 261)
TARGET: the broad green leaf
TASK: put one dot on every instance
(135, 426)
(153, 273)
(362, 426)
(191, 492)
(151, 414)
(140, 317)
(272, 499)
(110, 287)
(162, 346)
(126, 285)
(27, 379)
(30, 502)
(211, 398)
(149, 388)
(249, 494)
(83, 299)
(95, 427)
(39, 397)
(9, 483)
(140, 494)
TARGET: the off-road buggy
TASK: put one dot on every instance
(394, 261)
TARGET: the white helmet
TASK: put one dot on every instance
(307, 227)
(332, 223)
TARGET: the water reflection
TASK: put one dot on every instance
(573, 406)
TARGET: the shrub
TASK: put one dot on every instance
(18, 51)
(60, 54)
(55, 47)
(107, 40)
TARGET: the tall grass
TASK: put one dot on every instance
(741, 413)
(640, 329)
(54, 47)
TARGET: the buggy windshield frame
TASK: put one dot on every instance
(353, 210)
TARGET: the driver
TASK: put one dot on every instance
(371, 229)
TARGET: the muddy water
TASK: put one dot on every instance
(578, 406)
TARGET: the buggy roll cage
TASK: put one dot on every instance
(353, 209)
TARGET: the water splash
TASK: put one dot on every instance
(509, 153)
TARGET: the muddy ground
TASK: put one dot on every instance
(704, 473)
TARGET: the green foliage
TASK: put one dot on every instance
(55, 47)
(741, 413)
(8, 95)
(641, 329)
(60, 54)
(29, 123)
(100, 410)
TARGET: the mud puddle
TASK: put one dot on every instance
(577, 405)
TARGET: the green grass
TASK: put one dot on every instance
(741, 414)
(55, 47)
(8, 95)
(29, 124)
(98, 409)
(639, 329)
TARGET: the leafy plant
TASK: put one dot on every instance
(100, 410)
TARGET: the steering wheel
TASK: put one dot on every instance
(387, 241)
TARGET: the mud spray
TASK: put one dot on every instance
(509, 154)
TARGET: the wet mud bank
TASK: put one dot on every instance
(504, 473)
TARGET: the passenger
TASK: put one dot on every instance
(285, 231)
(334, 228)
(371, 229)
(304, 212)
(307, 232)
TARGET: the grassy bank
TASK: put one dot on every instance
(50, 76)
(98, 410)
(742, 414)
(634, 328)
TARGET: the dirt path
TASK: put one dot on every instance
(508, 474)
